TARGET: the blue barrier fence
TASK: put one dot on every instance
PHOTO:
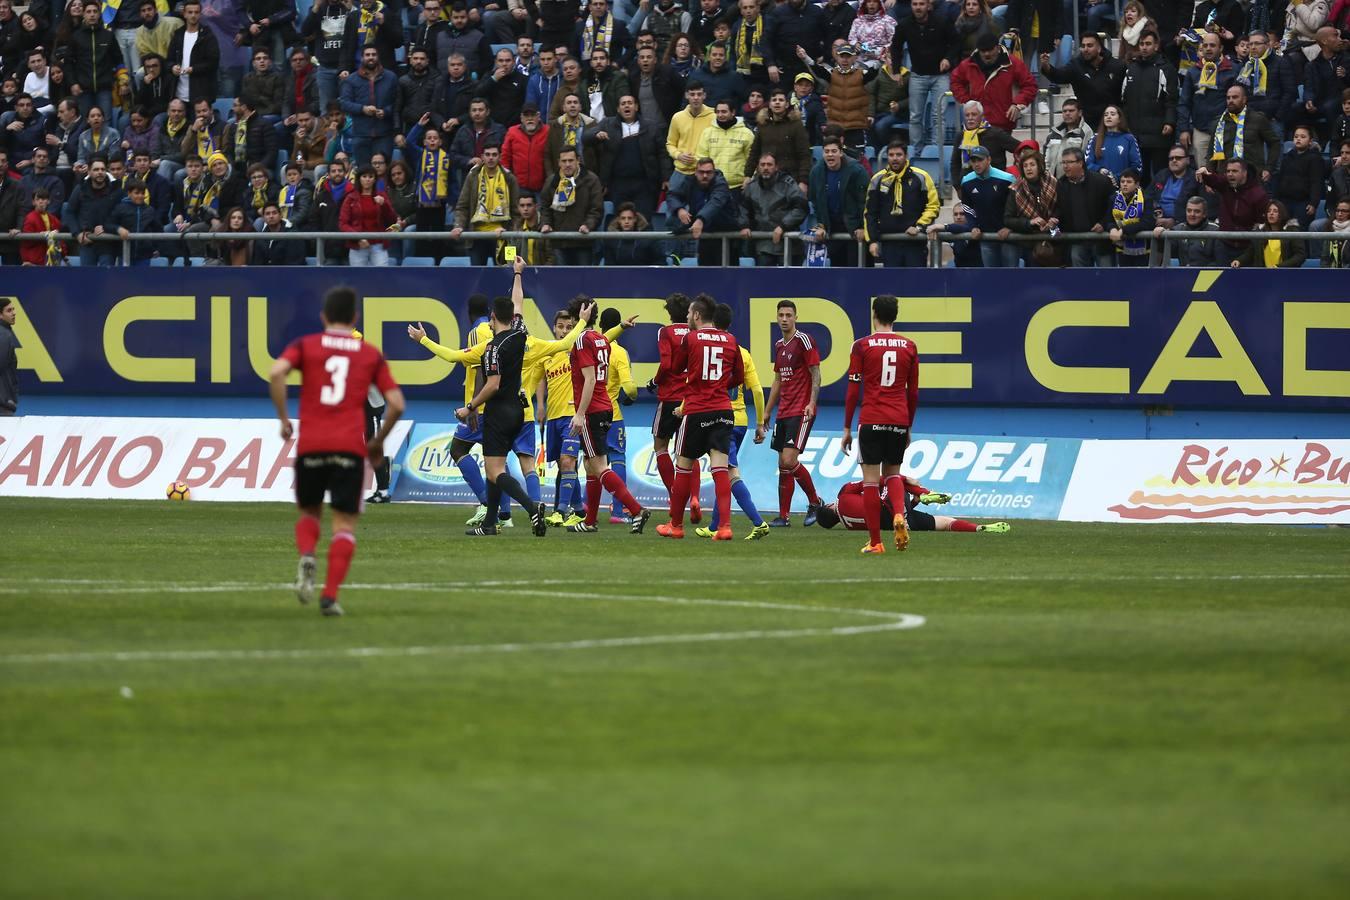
(1270, 340)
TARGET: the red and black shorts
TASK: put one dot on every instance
(791, 432)
(704, 431)
(666, 423)
(595, 434)
(882, 445)
(339, 475)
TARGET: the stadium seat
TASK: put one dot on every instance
(418, 261)
(689, 260)
(311, 261)
(496, 47)
(609, 208)
(159, 262)
(447, 261)
(224, 110)
(748, 261)
(817, 153)
(73, 261)
(198, 261)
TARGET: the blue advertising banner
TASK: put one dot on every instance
(988, 477)
(1236, 339)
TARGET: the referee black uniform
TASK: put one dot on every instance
(503, 416)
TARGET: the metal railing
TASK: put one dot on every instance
(790, 257)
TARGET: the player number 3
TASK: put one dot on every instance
(712, 363)
(888, 368)
(337, 367)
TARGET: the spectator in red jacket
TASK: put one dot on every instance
(1242, 204)
(366, 209)
(999, 81)
(525, 150)
(40, 221)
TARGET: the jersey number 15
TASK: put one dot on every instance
(712, 363)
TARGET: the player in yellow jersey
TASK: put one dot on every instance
(560, 445)
(622, 392)
(739, 489)
(537, 352)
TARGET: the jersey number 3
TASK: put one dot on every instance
(332, 393)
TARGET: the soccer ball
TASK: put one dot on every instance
(178, 491)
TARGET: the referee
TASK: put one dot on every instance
(503, 407)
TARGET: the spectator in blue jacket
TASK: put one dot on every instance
(1114, 149)
(703, 203)
(1203, 89)
(91, 203)
(543, 84)
(1272, 87)
(133, 214)
(368, 97)
(985, 191)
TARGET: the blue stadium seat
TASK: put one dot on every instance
(159, 262)
(73, 261)
(224, 110)
(689, 260)
(817, 154)
(198, 261)
(1312, 262)
(496, 47)
(609, 208)
(448, 261)
(748, 261)
(311, 261)
(418, 261)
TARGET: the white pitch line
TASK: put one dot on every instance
(895, 622)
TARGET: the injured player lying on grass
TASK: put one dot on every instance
(848, 508)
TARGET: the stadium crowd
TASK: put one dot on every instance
(450, 117)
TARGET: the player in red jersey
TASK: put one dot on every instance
(336, 372)
(712, 360)
(849, 509)
(669, 386)
(594, 415)
(796, 388)
(885, 366)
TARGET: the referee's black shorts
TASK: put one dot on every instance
(882, 445)
(501, 425)
(340, 475)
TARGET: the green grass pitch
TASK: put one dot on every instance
(1088, 711)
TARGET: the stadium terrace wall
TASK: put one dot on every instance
(1201, 339)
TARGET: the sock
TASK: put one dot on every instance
(694, 484)
(592, 499)
(963, 525)
(803, 477)
(504, 508)
(786, 485)
(306, 535)
(620, 468)
(741, 491)
(532, 486)
(507, 484)
(570, 489)
(557, 491)
(666, 467)
(611, 482)
(382, 476)
(679, 496)
(340, 551)
(493, 501)
(473, 477)
(722, 488)
(895, 491)
(872, 511)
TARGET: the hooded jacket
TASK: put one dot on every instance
(713, 205)
(1198, 109)
(852, 196)
(998, 87)
(1096, 87)
(785, 138)
(526, 156)
(93, 55)
(137, 218)
(729, 149)
(587, 208)
(378, 88)
(918, 208)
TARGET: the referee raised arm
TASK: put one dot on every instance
(503, 407)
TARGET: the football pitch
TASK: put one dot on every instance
(1062, 711)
